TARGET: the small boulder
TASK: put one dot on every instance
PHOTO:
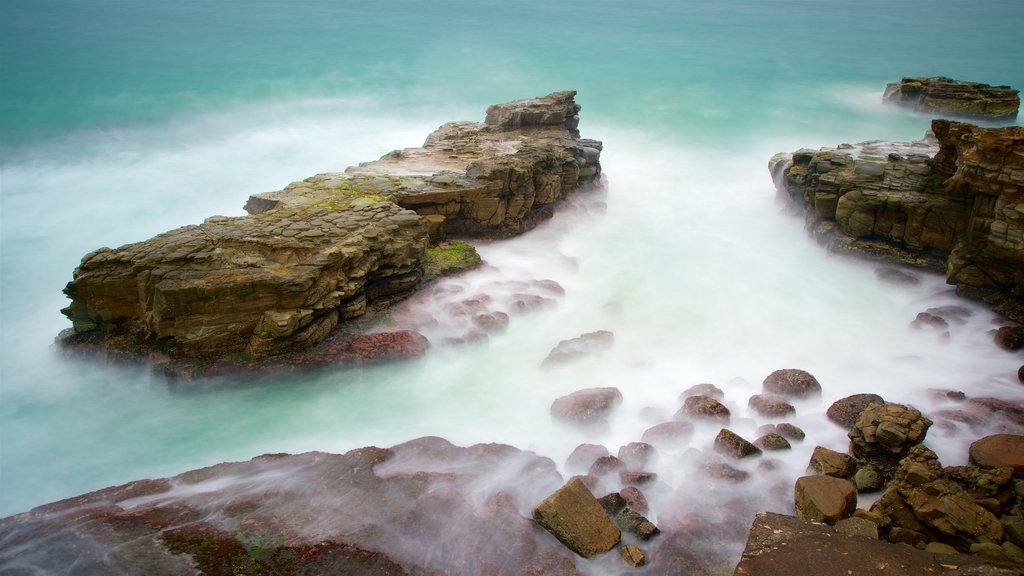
(772, 441)
(637, 455)
(855, 526)
(733, 445)
(612, 503)
(587, 406)
(635, 499)
(723, 471)
(885, 433)
(846, 410)
(606, 465)
(635, 523)
(583, 456)
(770, 406)
(573, 516)
(790, 431)
(824, 498)
(830, 463)
(631, 478)
(1010, 337)
(703, 408)
(998, 451)
(709, 390)
(792, 383)
(669, 435)
(575, 348)
(1020, 374)
(868, 479)
(929, 321)
(632, 556)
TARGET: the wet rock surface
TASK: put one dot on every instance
(824, 498)
(884, 434)
(325, 250)
(574, 516)
(588, 406)
(951, 202)
(846, 410)
(792, 383)
(945, 96)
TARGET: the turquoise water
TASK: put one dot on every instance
(120, 119)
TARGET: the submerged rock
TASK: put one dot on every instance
(327, 249)
(944, 96)
(588, 406)
(792, 383)
(575, 348)
(734, 446)
(703, 408)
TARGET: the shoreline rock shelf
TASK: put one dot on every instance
(325, 250)
(941, 95)
(952, 202)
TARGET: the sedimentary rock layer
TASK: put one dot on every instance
(940, 95)
(320, 251)
(953, 201)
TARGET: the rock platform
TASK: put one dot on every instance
(945, 96)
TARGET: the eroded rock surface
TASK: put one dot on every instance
(324, 250)
(941, 95)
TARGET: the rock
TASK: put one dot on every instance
(612, 503)
(587, 406)
(949, 203)
(669, 435)
(897, 276)
(723, 471)
(577, 520)
(448, 258)
(944, 96)
(770, 406)
(831, 463)
(635, 523)
(325, 250)
(998, 451)
(1020, 374)
(868, 479)
(370, 511)
(575, 348)
(732, 445)
(628, 477)
(779, 544)
(855, 526)
(606, 465)
(846, 410)
(632, 556)
(928, 321)
(583, 456)
(1010, 337)
(635, 499)
(885, 433)
(939, 548)
(709, 390)
(792, 383)
(772, 442)
(703, 408)
(790, 431)
(899, 535)
(636, 455)
(824, 498)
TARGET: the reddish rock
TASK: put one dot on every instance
(792, 383)
(669, 435)
(709, 390)
(770, 406)
(634, 498)
(824, 498)
(606, 465)
(830, 463)
(637, 455)
(846, 410)
(703, 408)
(375, 347)
(771, 442)
(583, 456)
(630, 478)
(790, 431)
(732, 445)
(999, 450)
(587, 344)
(588, 406)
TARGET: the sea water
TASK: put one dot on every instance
(120, 119)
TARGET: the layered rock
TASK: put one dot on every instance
(323, 250)
(953, 202)
(941, 95)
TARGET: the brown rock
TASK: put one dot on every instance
(824, 498)
(1010, 337)
(606, 465)
(1020, 374)
(577, 520)
(771, 442)
(770, 406)
(732, 445)
(668, 435)
(709, 390)
(635, 499)
(831, 463)
(584, 456)
(703, 408)
(790, 431)
(792, 383)
(587, 406)
(612, 503)
(723, 471)
(998, 451)
(637, 455)
(632, 556)
(928, 321)
(885, 433)
(629, 477)
(635, 523)
(944, 96)
(846, 410)
(855, 526)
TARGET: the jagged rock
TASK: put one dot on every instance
(579, 347)
(668, 435)
(587, 406)
(998, 451)
(770, 406)
(635, 499)
(325, 250)
(371, 511)
(951, 203)
(824, 498)
(944, 96)
(583, 456)
(632, 556)
(635, 523)
(709, 390)
(884, 433)
(636, 455)
(1010, 337)
(846, 410)
(771, 442)
(779, 544)
(703, 408)
(734, 446)
(792, 383)
(830, 463)
(577, 520)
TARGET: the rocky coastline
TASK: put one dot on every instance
(266, 289)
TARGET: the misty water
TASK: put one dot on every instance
(122, 119)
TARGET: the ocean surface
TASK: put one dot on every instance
(120, 119)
